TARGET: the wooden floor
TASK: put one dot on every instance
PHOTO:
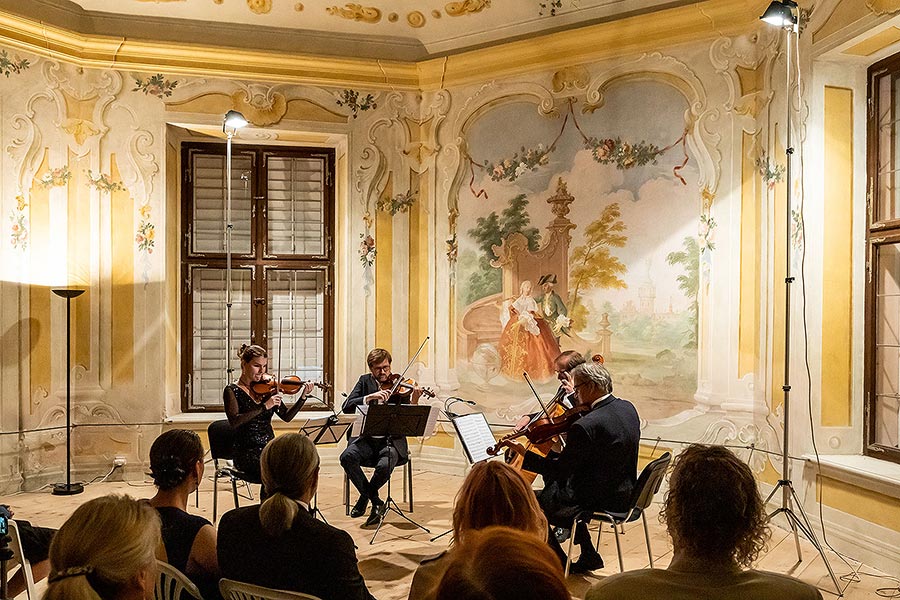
(388, 564)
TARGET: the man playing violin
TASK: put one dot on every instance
(565, 395)
(250, 413)
(374, 451)
(597, 469)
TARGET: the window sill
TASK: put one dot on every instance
(862, 471)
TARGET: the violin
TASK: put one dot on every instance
(543, 430)
(403, 388)
(289, 384)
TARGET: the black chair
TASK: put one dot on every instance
(407, 487)
(647, 485)
(221, 439)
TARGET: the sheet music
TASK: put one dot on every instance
(359, 418)
(432, 420)
(475, 435)
(341, 419)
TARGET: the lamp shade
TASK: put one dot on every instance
(779, 14)
(234, 120)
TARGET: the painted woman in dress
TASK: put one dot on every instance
(527, 342)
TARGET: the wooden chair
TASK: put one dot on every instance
(236, 590)
(172, 584)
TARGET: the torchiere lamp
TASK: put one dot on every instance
(68, 488)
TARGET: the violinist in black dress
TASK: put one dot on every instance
(250, 414)
(374, 451)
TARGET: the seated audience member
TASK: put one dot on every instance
(493, 493)
(35, 547)
(105, 551)
(176, 465)
(279, 544)
(500, 563)
(717, 522)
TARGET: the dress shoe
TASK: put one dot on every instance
(359, 509)
(378, 510)
(561, 534)
(587, 562)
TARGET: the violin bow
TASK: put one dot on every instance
(411, 361)
(544, 408)
(279, 351)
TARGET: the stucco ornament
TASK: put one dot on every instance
(356, 12)
(260, 105)
(458, 9)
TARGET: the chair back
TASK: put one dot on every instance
(18, 558)
(172, 584)
(236, 590)
(649, 481)
(221, 439)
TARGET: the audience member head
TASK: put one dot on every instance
(106, 549)
(494, 493)
(501, 563)
(290, 472)
(713, 509)
(592, 381)
(176, 456)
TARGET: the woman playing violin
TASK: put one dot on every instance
(250, 406)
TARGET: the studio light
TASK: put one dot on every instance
(780, 13)
(233, 120)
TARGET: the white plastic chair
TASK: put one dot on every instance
(18, 558)
(236, 590)
(172, 584)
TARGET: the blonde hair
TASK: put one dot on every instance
(102, 547)
(494, 493)
(288, 466)
(500, 563)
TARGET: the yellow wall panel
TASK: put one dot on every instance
(778, 228)
(837, 255)
(865, 504)
(79, 256)
(39, 296)
(384, 281)
(122, 302)
(418, 267)
(748, 317)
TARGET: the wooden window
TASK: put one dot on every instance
(882, 358)
(282, 205)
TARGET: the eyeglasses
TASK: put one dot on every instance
(578, 385)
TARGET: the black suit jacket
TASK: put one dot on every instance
(365, 386)
(598, 467)
(311, 557)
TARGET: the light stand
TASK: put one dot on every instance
(231, 123)
(781, 14)
(68, 488)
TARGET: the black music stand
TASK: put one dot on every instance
(388, 420)
(329, 430)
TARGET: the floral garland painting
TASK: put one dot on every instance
(400, 203)
(102, 183)
(155, 85)
(146, 231)
(356, 102)
(57, 177)
(9, 65)
(18, 231)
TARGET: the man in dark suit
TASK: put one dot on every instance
(373, 451)
(597, 469)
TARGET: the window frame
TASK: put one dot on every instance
(879, 232)
(259, 261)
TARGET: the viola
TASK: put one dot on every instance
(403, 388)
(289, 384)
(544, 430)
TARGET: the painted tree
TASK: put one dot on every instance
(689, 282)
(593, 265)
(490, 231)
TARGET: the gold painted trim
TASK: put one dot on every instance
(642, 33)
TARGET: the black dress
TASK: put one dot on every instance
(179, 530)
(251, 437)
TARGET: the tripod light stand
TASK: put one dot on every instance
(68, 488)
(231, 123)
(784, 14)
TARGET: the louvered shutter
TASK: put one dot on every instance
(208, 201)
(298, 298)
(296, 205)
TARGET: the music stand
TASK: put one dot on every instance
(388, 420)
(329, 430)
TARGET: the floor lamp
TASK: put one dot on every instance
(785, 15)
(68, 488)
(231, 123)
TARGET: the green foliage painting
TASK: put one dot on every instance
(490, 231)
(689, 282)
(592, 265)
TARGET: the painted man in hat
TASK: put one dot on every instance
(552, 306)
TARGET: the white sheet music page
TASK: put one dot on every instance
(475, 435)
(361, 412)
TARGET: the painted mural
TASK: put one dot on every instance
(579, 231)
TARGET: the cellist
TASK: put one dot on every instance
(596, 470)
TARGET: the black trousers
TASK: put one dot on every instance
(558, 503)
(369, 452)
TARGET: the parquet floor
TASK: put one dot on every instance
(389, 563)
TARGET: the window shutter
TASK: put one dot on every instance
(296, 205)
(209, 198)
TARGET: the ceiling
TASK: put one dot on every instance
(383, 29)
